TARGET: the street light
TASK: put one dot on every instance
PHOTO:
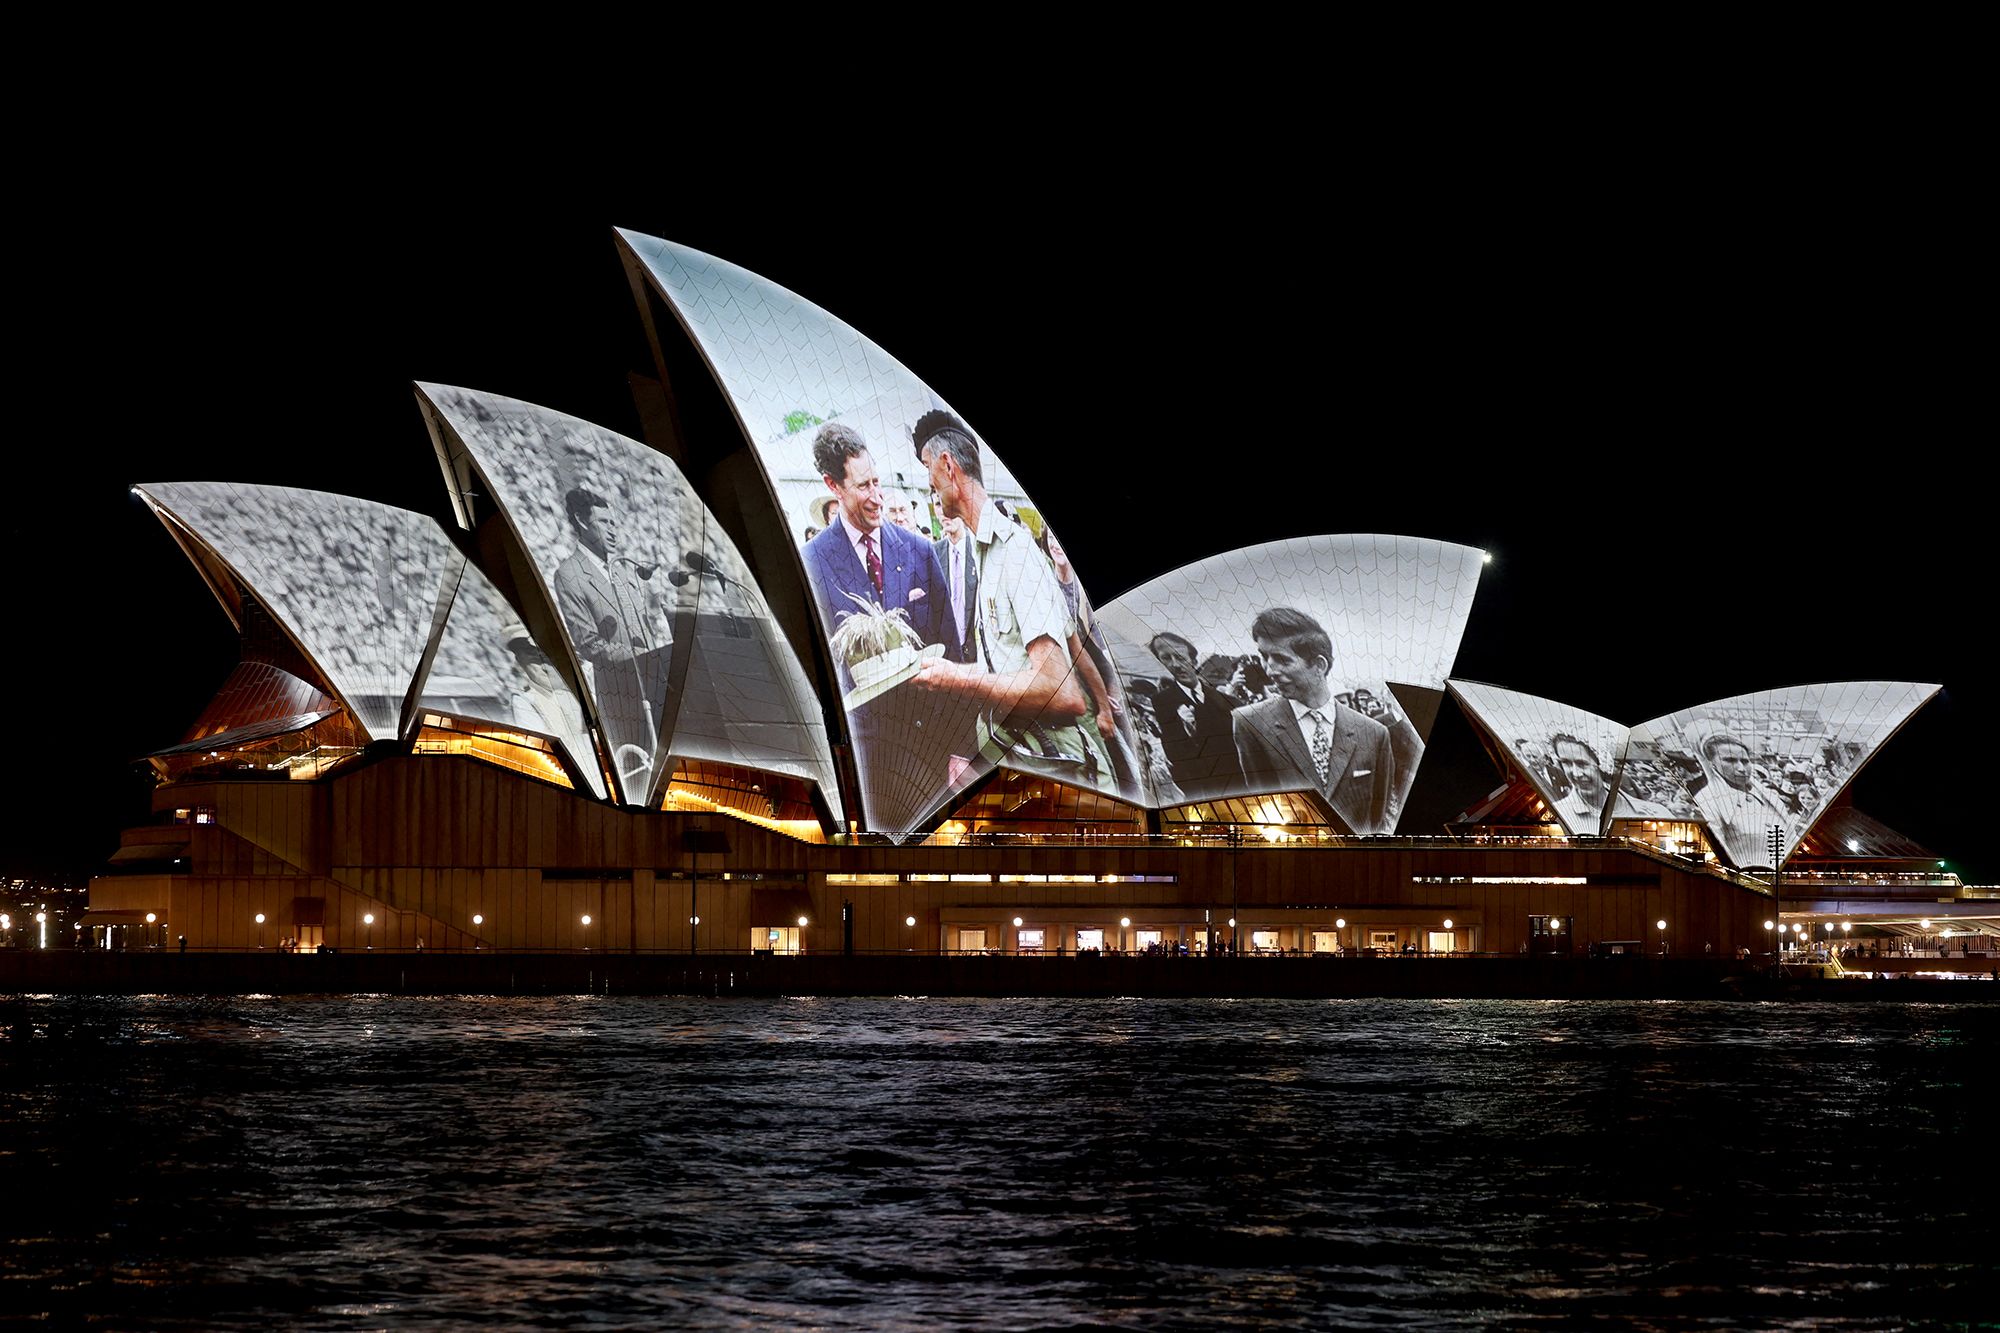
(1662, 924)
(368, 920)
(260, 930)
(42, 920)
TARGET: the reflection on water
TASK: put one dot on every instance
(917, 1163)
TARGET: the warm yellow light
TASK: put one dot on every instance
(1555, 923)
(1847, 925)
(1661, 923)
(909, 921)
(1232, 923)
(478, 920)
(1125, 921)
(586, 920)
(150, 919)
(1340, 923)
(1447, 923)
(368, 919)
(802, 922)
(260, 918)
(1017, 921)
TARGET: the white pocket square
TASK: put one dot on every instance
(1361, 772)
(916, 594)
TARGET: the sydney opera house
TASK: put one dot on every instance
(813, 673)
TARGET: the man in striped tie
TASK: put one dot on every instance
(1303, 739)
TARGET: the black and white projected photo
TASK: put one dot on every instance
(1570, 756)
(1761, 764)
(490, 669)
(354, 582)
(962, 636)
(1292, 666)
(673, 641)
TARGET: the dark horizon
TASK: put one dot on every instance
(1655, 431)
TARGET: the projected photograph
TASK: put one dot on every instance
(490, 669)
(1294, 666)
(356, 582)
(677, 650)
(959, 632)
(1570, 756)
(1761, 762)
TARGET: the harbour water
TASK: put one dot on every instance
(378, 1162)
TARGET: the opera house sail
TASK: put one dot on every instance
(834, 670)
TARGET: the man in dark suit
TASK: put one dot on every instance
(1303, 739)
(861, 556)
(903, 769)
(1193, 718)
(961, 580)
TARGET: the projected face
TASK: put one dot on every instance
(597, 529)
(1732, 764)
(1178, 657)
(1293, 675)
(859, 493)
(1580, 767)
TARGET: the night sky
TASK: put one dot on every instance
(1713, 431)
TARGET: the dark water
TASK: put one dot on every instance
(879, 1164)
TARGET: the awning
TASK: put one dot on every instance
(168, 847)
(779, 907)
(239, 736)
(119, 916)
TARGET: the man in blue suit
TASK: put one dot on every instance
(859, 555)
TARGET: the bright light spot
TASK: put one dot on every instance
(1661, 923)
(368, 919)
(1555, 923)
(1767, 925)
(41, 918)
(1447, 923)
(586, 920)
(150, 919)
(1232, 923)
(1486, 557)
(478, 920)
(1847, 925)
(802, 922)
(1925, 923)
(1853, 845)
(909, 921)
(1340, 923)
(694, 921)
(1126, 921)
(1017, 921)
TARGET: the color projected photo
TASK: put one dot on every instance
(961, 636)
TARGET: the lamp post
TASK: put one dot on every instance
(586, 932)
(1767, 938)
(478, 920)
(42, 924)
(260, 930)
(1662, 924)
(368, 920)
